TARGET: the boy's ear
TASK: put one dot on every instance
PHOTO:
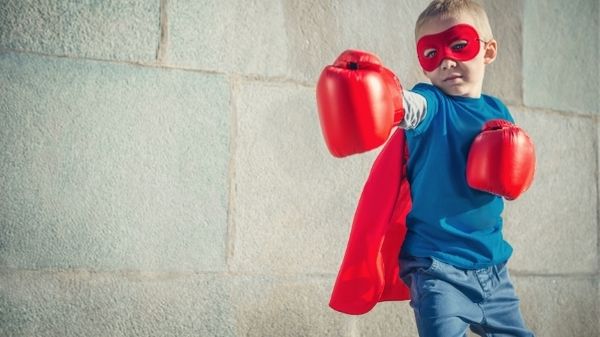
(491, 50)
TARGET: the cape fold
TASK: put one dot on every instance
(369, 272)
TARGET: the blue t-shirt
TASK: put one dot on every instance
(449, 220)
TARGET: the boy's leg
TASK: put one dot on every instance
(446, 327)
(502, 316)
(440, 297)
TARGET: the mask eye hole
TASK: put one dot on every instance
(430, 53)
(458, 45)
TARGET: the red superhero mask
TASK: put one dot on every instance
(459, 43)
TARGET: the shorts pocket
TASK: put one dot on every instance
(411, 265)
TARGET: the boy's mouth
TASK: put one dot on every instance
(452, 77)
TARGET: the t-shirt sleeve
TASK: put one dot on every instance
(503, 109)
(431, 96)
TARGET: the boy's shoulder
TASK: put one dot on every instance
(423, 87)
(493, 100)
(430, 90)
(495, 103)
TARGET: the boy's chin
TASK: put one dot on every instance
(460, 91)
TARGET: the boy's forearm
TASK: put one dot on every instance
(415, 107)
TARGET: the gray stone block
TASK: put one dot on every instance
(112, 166)
(504, 77)
(73, 304)
(293, 202)
(290, 38)
(116, 30)
(559, 306)
(294, 306)
(228, 36)
(561, 46)
(598, 303)
(553, 226)
(387, 319)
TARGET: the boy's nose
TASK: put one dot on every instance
(448, 64)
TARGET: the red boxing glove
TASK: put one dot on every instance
(359, 101)
(501, 160)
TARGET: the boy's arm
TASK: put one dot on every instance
(415, 108)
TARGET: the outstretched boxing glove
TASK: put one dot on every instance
(359, 101)
(501, 160)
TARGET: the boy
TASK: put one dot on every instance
(454, 257)
(423, 200)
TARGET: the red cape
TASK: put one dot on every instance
(369, 271)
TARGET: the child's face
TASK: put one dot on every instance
(453, 76)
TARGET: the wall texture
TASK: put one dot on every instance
(162, 170)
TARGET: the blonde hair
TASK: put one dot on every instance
(442, 9)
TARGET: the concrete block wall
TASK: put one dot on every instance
(162, 170)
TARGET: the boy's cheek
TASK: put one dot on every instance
(434, 78)
(429, 74)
